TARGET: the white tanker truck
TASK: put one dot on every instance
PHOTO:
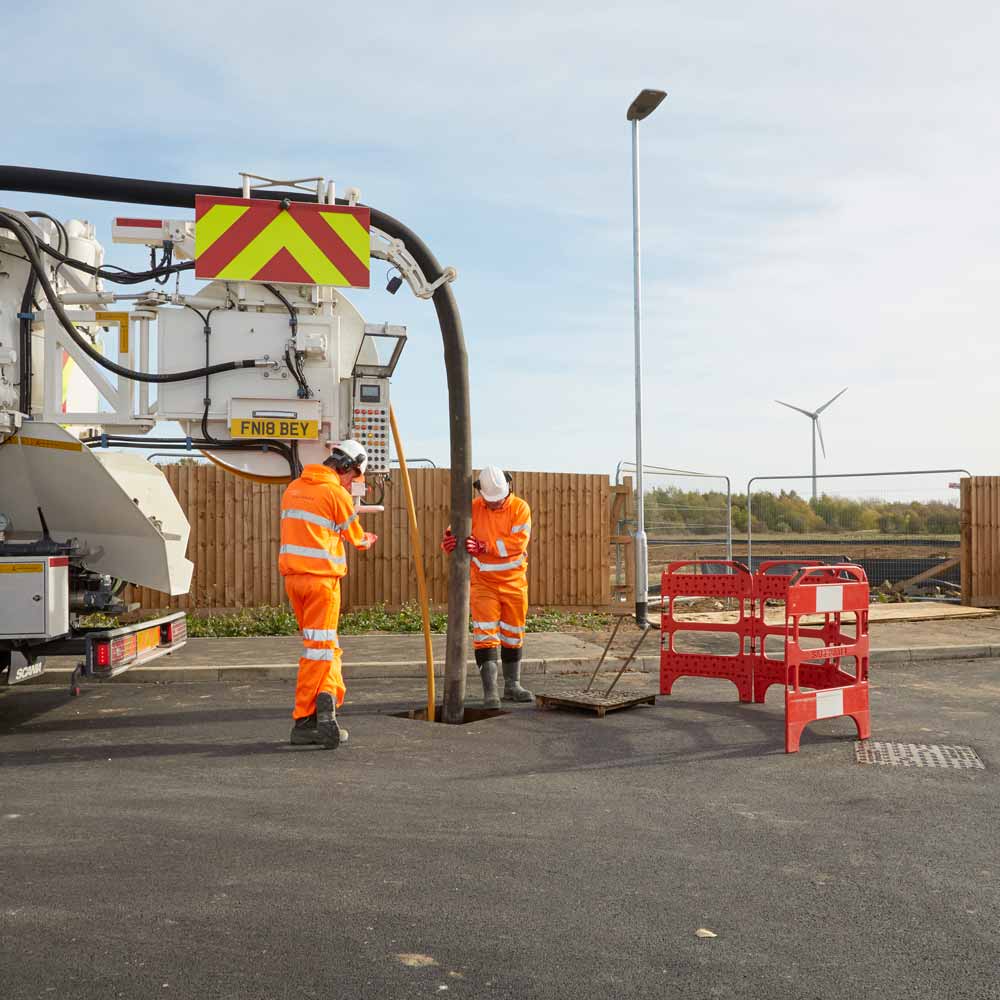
(263, 375)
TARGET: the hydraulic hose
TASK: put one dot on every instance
(26, 372)
(118, 275)
(183, 444)
(144, 192)
(291, 358)
(25, 238)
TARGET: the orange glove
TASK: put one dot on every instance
(474, 546)
(449, 541)
(370, 540)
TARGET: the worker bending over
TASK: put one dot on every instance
(501, 529)
(317, 515)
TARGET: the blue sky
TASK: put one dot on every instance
(820, 206)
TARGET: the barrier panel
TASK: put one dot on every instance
(771, 584)
(830, 591)
(734, 583)
(816, 684)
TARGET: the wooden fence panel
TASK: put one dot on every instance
(235, 528)
(981, 541)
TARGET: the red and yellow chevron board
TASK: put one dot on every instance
(238, 239)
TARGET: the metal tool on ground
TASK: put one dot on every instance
(602, 703)
(607, 646)
(646, 629)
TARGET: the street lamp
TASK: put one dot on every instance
(642, 107)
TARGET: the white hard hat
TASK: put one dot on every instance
(493, 483)
(354, 453)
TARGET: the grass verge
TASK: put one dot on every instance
(280, 621)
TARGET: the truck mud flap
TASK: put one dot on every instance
(20, 669)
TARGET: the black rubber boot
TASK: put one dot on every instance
(327, 728)
(512, 690)
(486, 660)
(304, 732)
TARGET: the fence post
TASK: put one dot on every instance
(620, 541)
(966, 539)
(630, 547)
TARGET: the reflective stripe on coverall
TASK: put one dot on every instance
(317, 513)
(498, 595)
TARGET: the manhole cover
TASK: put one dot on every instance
(916, 755)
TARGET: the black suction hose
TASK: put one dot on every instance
(142, 192)
(27, 308)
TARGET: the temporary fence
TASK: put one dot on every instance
(235, 529)
(688, 515)
(902, 528)
(811, 662)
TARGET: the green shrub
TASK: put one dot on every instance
(280, 621)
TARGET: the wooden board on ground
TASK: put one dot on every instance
(593, 701)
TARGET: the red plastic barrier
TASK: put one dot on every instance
(737, 584)
(830, 591)
(816, 684)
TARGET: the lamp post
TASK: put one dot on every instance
(642, 107)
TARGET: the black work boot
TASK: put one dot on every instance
(486, 660)
(512, 690)
(327, 728)
(304, 732)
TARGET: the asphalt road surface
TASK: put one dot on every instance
(163, 841)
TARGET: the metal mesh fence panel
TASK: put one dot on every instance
(903, 529)
(687, 517)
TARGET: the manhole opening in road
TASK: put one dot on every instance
(471, 714)
(916, 755)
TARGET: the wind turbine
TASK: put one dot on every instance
(813, 415)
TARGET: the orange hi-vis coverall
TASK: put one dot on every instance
(317, 514)
(498, 595)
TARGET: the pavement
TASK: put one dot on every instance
(163, 840)
(402, 656)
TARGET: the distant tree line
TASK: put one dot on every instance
(676, 511)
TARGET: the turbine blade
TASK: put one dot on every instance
(829, 401)
(798, 408)
(819, 428)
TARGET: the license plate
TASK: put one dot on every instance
(274, 427)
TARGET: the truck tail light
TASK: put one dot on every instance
(102, 654)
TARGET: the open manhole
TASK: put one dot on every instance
(916, 755)
(471, 714)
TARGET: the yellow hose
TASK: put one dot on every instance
(418, 561)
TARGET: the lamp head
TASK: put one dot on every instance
(645, 104)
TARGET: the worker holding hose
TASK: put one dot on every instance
(501, 529)
(317, 516)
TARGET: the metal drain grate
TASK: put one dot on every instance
(916, 755)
